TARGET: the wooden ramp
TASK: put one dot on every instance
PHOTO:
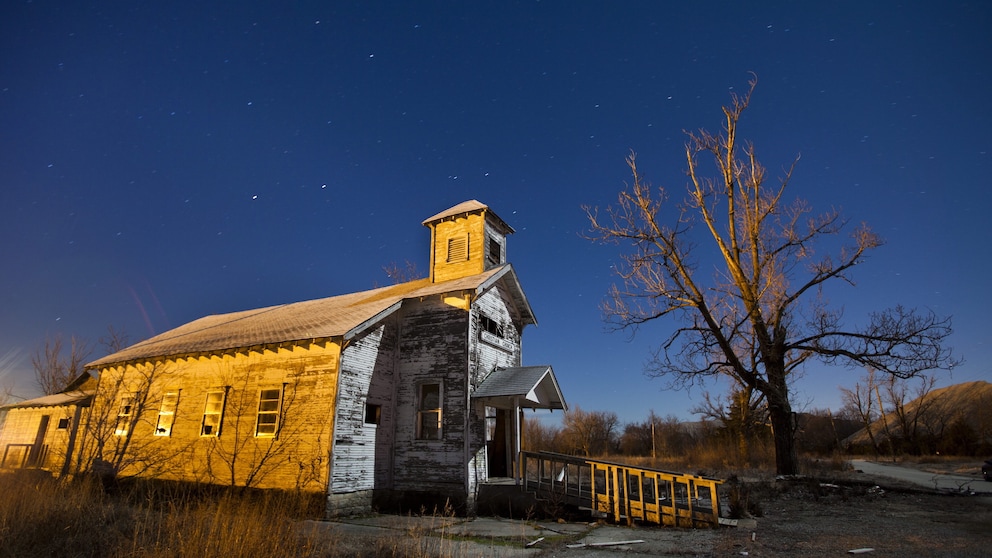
(621, 491)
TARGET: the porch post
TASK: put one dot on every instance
(517, 473)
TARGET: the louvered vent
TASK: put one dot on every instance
(458, 249)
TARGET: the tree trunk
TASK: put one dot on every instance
(780, 414)
(786, 460)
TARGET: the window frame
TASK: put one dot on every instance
(495, 255)
(275, 414)
(171, 412)
(373, 413)
(125, 413)
(219, 413)
(423, 413)
(491, 326)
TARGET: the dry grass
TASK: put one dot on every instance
(714, 458)
(41, 517)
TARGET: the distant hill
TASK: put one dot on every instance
(953, 420)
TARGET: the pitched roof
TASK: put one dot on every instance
(469, 206)
(339, 316)
(535, 386)
(54, 400)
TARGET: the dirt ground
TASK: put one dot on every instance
(853, 511)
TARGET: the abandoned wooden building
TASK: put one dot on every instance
(44, 432)
(415, 389)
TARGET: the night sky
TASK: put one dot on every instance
(162, 161)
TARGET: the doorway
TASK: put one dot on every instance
(497, 442)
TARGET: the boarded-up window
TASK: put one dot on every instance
(124, 414)
(269, 405)
(167, 414)
(429, 412)
(458, 249)
(213, 413)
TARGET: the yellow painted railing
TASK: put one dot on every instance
(622, 491)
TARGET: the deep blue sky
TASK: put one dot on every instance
(162, 161)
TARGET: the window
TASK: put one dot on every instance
(63, 424)
(269, 402)
(429, 412)
(124, 415)
(490, 424)
(167, 414)
(495, 251)
(213, 414)
(490, 325)
(458, 249)
(373, 413)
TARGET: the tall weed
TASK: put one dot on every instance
(42, 517)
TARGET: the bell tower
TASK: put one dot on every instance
(466, 240)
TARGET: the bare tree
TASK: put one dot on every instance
(115, 340)
(760, 316)
(402, 274)
(53, 369)
(636, 438)
(6, 393)
(241, 455)
(591, 433)
(910, 406)
(123, 401)
(742, 415)
(860, 402)
(541, 437)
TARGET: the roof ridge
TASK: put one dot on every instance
(322, 318)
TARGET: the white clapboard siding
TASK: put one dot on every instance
(353, 453)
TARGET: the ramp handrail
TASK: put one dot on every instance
(623, 491)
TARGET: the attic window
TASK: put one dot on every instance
(458, 249)
(63, 424)
(490, 325)
(495, 251)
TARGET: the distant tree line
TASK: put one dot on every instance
(730, 435)
(882, 415)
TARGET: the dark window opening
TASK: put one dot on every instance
(491, 326)
(373, 413)
(495, 251)
(63, 424)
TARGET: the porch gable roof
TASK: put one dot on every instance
(534, 387)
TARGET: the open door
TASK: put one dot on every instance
(497, 442)
(504, 392)
(37, 456)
